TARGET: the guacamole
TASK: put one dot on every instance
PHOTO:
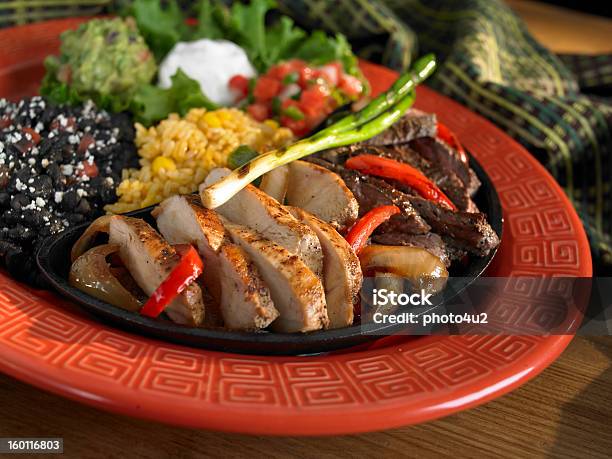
(104, 59)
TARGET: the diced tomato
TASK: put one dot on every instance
(289, 103)
(331, 72)
(68, 124)
(307, 74)
(86, 141)
(89, 169)
(298, 127)
(35, 135)
(266, 88)
(5, 122)
(297, 64)
(280, 71)
(351, 86)
(240, 84)
(313, 101)
(260, 112)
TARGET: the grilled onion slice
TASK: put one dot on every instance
(423, 269)
(99, 225)
(92, 274)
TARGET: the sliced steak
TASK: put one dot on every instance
(371, 192)
(412, 125)
(431, 242)
(447, 159)
(469, 230)
(446, 180)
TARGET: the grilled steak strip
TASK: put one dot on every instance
(447, 159)
(468, 230)
(412, 125)
(465, 230)
(371, 192)
(446, 180)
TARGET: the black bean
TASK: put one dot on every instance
(4, 176)
(53, 171)
(21, 233)
(10, 217)
(108, 194)
(41, 217)
(5, 199)
(19, 201)
(69, 200)
(43, 185)
(35, 176)
(83, 207)
(75, 219)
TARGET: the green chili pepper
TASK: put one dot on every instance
(290, 78)
(276, 106)
(240, 156)
(293, 112)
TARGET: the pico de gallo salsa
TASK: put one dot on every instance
(297, 95)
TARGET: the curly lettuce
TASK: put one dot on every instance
(245, 25)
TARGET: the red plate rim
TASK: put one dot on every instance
(50, 344)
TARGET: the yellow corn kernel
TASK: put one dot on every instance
(161, 162)
(212, 119)
(273, 124)
(224, 115)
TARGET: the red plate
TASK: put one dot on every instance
(51, 344)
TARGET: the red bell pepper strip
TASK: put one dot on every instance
(365, 226)
(184, 273)
(403, 173)
(449, 138)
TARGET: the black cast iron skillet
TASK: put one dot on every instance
(54, 261)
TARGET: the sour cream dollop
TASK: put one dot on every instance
(211, 63)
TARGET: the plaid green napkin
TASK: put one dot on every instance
(558, 107)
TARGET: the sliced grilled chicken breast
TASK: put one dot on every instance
(297, 292)
(150, 260)
(342, 275)
(255, 209)
(322, 193)
(229, 275)
(275, 183)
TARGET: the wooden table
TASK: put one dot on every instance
(566, 411)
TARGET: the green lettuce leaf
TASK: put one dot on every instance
(282, 41)
(245, 25)
(151, 103)
(212, 21)
(161, 27)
